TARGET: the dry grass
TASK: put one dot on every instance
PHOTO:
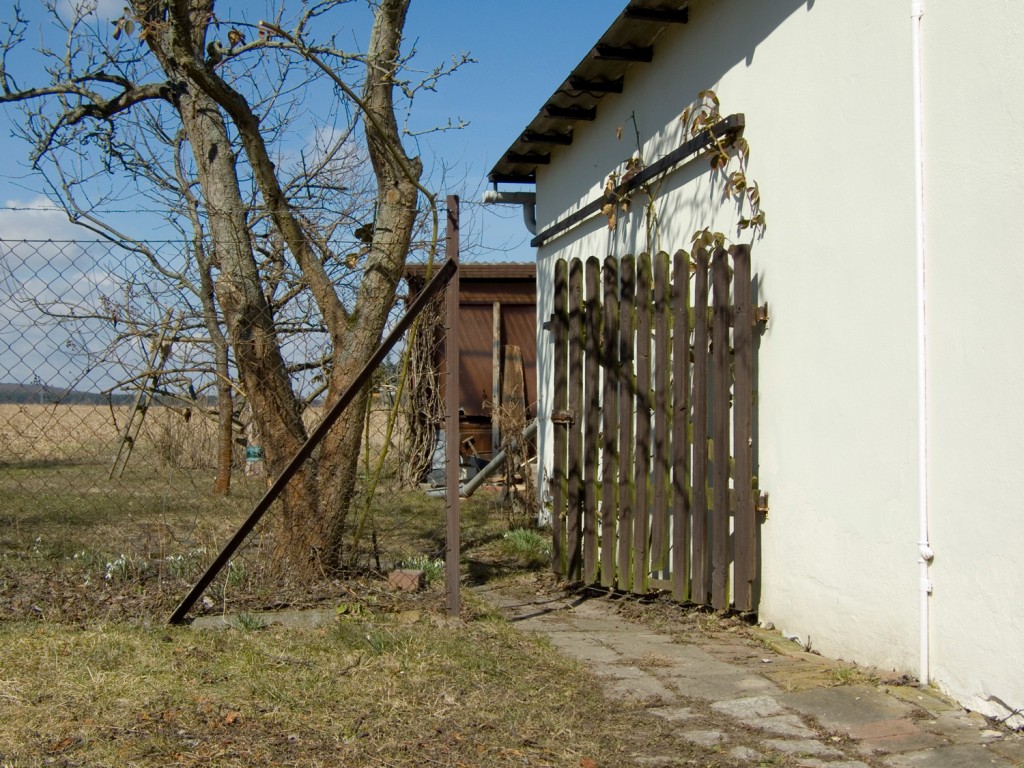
(371, 691)
(89, 675)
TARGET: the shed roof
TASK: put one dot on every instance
(482, 271)
(628, 41)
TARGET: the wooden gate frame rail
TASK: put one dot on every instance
(446, 272)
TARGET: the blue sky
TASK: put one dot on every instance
(524, 50)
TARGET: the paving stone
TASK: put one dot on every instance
(674, 714)
(839, 707)
(744, 753)
(896, 735)
(958, 756)
(1011, 747)
(704, 738)
(584, 649)
(957, 726)
(751, 707)
(783, 725)
(802, 747)
(899, 726)
(643, 689)
(721, 685)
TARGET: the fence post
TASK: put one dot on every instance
(451, 398)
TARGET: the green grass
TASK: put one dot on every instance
(529, 548)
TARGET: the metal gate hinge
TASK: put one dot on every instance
(762, 505)
(563, 417)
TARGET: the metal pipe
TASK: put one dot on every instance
(470, 487)
(924, 550)
(526, 199)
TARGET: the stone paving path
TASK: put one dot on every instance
(713, 687)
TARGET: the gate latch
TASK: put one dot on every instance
(761, 506)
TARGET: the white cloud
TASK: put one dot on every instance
(106, 10)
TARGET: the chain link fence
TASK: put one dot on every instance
(112, 440)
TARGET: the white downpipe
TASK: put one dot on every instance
(925, 553)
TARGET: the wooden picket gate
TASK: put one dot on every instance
(643, 384)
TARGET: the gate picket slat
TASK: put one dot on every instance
(720, 430)
(744, 523)
(680, 419)
(627, 296)
(659, 470)
(560, 330)
(574, 463)
(610, 421)
(591, 416)
(642, 459)
(700, 591)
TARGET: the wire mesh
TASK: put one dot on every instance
(111, 439)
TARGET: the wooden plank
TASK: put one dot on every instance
(609, 420)
(680, 426)
(627, 297)
(591, 415)
(642, 458)
(744, 521)
(574, 465)
(513, 384)
(660, 454)
(720, 429)
(495, 376)
(559, 403)
(700, 591)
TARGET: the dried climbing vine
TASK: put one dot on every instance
(701, 114)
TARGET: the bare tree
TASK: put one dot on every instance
(173, 74)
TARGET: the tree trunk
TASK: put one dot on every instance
(397, 176)
(310, 532)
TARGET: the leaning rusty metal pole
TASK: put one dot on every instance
(451, 406)
(430, 290)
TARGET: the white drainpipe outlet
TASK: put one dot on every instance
(526, 199)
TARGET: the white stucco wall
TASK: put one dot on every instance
(974, 82)
(826, 90)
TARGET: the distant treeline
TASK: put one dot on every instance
(35, 393)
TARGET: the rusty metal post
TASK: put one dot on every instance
(451, 403)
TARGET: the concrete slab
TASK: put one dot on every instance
(958, 756)
(840, 707)
(721, 685)
(897, 735)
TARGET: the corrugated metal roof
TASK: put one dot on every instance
(627, 42)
